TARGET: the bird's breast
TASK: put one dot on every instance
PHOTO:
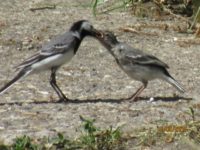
(53, 61)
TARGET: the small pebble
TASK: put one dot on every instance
(151, 99)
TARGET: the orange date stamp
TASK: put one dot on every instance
(172, 128)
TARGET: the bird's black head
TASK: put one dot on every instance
(84, 28)
(108, 39)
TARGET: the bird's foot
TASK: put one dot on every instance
(63, 99)
(132, 99)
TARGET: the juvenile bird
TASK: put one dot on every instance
(137, 64)
(53, 54)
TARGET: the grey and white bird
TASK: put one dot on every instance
(137, 64)
(53, 54)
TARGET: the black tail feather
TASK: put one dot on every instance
(21, 74)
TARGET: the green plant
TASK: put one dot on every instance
(24, 143)
(60, 141)
(196, 18)
(94, 138)
(116, 5)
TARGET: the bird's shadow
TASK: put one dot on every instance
(116, 101)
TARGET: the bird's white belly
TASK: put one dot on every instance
(53, 61)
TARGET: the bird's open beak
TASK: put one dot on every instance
(97, 33)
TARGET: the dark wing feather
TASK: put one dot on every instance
(147, 60)
(139, 57)
(33, 59)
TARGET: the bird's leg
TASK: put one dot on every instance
(138, 92)
(55, 86)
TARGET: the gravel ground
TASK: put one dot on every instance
(92, 81)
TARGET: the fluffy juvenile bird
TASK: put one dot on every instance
(137, 64)
(53, 54)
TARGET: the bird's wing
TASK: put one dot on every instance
(59, 44)
(146, 60)
(35, 58)
(139, 57)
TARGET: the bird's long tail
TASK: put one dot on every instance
(21, 74)
(175, 83)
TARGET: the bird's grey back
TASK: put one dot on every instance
(137, 56)
(65, 40)
(128, 50)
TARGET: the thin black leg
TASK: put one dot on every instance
(55, 86)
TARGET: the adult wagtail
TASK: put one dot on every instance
(55, 53)
(137, 64)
